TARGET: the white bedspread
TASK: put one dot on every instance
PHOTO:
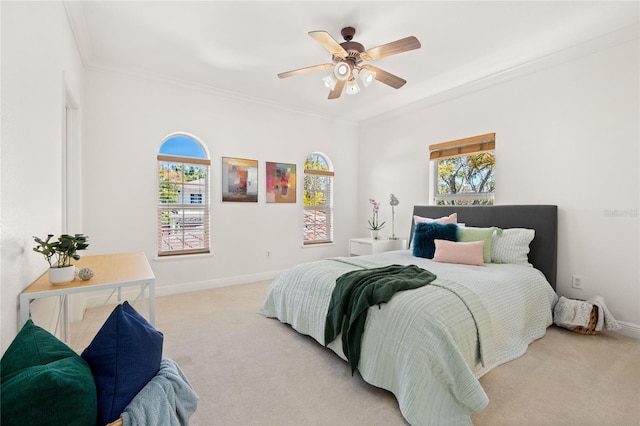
(431, 369)
(519, 299)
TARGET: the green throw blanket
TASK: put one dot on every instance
(356, 291)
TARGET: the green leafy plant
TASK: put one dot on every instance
(59, 253)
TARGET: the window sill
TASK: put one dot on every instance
(181, 257)
(316, 245)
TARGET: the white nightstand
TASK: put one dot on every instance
(360, 246)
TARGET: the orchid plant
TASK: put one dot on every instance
(374, 224)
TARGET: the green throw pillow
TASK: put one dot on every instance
(44, 382)
(467, 233)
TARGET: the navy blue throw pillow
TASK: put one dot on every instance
(123, 356)
(425, 232)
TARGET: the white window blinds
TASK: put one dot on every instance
(183, 205)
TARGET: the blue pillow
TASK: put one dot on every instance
(123, 356)
(425, 232)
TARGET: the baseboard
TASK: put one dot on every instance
(101, 298)
(628, 329)
(130, 293)
(209, 284)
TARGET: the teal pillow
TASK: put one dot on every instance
(123, 356)
(467, 233)
(44, 382)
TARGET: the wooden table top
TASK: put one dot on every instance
(108, 269)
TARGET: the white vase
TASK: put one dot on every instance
(62, 275)
(374, 234)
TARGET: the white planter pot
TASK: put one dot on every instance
(62, 275)
(374, 235)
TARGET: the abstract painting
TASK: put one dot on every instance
(239, 180)
(281, 183)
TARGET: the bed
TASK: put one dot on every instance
(429, 346)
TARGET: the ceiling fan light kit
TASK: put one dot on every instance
(347, 62)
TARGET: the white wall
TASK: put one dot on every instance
(40, 64)
(566, 135)
(127, 119)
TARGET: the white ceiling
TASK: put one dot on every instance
(237, 48)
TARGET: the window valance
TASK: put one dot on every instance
(466, 146)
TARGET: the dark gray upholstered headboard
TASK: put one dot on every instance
(542, 218)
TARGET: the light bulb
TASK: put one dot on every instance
(330, 81)
(342, 70)
(352, 87)
(367, 77)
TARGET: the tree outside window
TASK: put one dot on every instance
(318, 200)
(464, 171)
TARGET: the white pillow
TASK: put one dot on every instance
(512, 246)
(452, 218)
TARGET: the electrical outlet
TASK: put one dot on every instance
(576, 281)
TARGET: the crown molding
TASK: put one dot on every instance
(447, 91)
(78, 24)
(203, 88)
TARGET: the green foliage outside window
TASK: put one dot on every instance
(315, 185)
(466, 176)
(171, 176)
(318, 209)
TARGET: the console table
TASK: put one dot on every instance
(111, 271)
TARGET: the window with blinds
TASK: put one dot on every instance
(464, 170)
(318, 200)
(183, 197)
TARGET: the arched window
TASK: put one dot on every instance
(318, 200)
(183, 196)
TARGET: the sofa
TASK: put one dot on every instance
(121, 378)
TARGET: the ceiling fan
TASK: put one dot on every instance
(347, 62)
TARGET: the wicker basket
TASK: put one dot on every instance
(590, 329)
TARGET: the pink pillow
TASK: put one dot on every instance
(452, 218)
(468, 253)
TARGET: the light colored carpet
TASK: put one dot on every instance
(251, 370)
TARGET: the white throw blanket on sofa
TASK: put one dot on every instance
(168, 399)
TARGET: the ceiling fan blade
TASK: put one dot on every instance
(304, 70)
(393, 48)
(337, 91)
(386, 77)
(329, 43)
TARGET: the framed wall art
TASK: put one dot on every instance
(281, 182)
(239, 180)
